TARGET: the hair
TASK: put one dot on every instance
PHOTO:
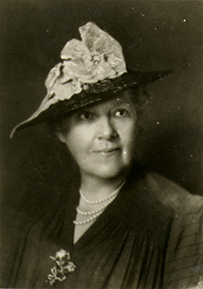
(138, 96)
(140, 99)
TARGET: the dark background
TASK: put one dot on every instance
(155, 35)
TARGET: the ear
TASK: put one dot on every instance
(61, 137)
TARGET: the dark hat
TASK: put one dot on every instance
(91, 70)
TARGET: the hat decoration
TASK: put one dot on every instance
(89, 69)
(97, 57)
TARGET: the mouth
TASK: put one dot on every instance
(108, 152)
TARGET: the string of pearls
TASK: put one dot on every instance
(88, 213)
(91, 218)
(101, 200)
(96, 213)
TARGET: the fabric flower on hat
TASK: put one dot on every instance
(96, 57)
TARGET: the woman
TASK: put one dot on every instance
(126, 228)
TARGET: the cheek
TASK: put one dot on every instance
(129, 141)
(128, 133)
(73, 143)
(78, 143)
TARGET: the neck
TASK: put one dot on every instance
(95, 188)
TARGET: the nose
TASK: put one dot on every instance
(106, 129)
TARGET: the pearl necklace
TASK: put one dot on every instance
(101, 200)
(88, 220)
(96, 213)
(88, 213)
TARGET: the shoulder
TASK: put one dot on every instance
(173, 196)
(170, 197)
(184, 257)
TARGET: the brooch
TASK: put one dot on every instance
(62, 267)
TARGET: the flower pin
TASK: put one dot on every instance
(62, 267)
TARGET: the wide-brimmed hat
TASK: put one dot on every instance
(91, 70)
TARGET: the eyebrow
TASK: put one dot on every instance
(123, 101)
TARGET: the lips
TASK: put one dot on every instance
(108, 152)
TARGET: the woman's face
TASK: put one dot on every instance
(101, 137)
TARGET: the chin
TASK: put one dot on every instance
(108, 172)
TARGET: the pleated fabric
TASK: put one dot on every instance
(149, 237)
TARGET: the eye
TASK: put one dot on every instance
(85, 115)
(121, 113)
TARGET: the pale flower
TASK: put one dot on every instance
(62, 267)
(97, 57)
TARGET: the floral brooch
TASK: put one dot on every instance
(61, 268)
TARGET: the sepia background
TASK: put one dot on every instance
(155, 35)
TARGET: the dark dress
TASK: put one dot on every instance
(149, 237)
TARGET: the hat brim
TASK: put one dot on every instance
(100, 91)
